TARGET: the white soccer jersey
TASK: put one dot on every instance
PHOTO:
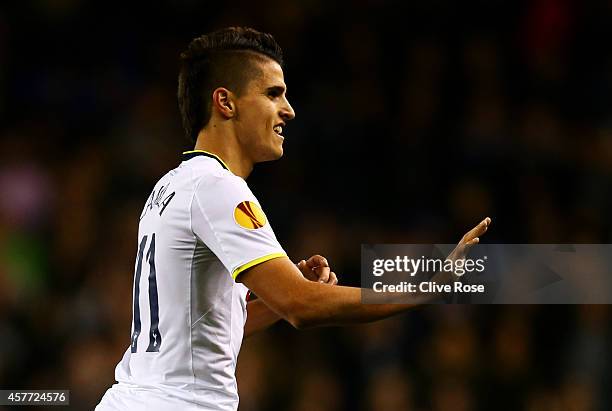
(200, 228)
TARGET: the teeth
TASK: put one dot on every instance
(278, 129)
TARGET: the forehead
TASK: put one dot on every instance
(270, 75)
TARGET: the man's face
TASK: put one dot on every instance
(262, 112)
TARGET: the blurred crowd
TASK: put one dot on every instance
(414, 121)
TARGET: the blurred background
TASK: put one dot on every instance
(414, 121)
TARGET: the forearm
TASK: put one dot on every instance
(323, 306)
(259, 317)
(306, 304)
(344, 305)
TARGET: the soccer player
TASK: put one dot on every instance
(204, 240)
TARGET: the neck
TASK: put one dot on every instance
(225, 146)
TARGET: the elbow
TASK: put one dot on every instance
(296, 322)
(300, 322)
(303, 309)
(302, 316)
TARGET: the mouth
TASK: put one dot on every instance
(278, 130)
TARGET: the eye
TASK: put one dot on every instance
(275, 92)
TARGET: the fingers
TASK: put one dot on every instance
(471, 237)
(306, 271)
(329, 277)
(302, 266)
(316, 268)
(319, 265)
(317, 261)
(322, 273)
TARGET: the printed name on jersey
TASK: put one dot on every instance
(249, 215)
(157, 199)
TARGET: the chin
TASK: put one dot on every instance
(279, 153)
(271, 155)
(276, 156)
(276, 151)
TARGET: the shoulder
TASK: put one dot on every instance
(220, 181)
(219, 189)
(207, 175)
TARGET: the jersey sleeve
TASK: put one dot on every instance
(226, 216)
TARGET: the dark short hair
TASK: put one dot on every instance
(224, 58)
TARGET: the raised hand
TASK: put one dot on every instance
(469, 239)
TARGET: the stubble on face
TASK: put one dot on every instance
(258, 111)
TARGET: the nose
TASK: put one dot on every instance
(286, 111)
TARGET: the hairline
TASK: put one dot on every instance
(256, 60)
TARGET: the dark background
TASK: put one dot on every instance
(414, 121)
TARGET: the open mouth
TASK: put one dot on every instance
(278, 129)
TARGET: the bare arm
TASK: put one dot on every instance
(304, 303)
(260, 316)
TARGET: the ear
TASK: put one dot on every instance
(223, 102)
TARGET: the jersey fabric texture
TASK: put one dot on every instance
(200, 228)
